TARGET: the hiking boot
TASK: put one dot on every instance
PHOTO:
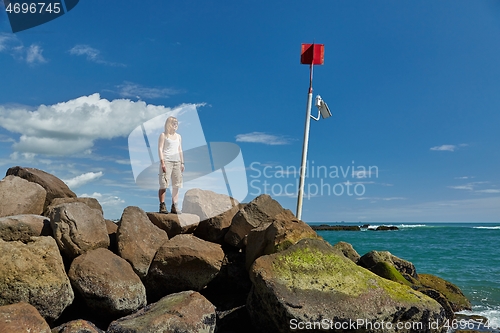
(163, 208)
(175, 209)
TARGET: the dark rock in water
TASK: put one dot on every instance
(77, 326)
(452, 293)
(336, 227)
(107, 283)
(54, 187)
(34, 273)
(365, 226)
(311, 281)
(18, 196)
(78, 228)
(138, 239)
(186, 311)
(348, 251)
(385, 228)
(22, 317)
(260, 210)
(184, 262)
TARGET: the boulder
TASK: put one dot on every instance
(175, 224)
(312, 282)
(91, 202)
(18, 196)
(22, 317)
(215, 228)
(260, 210)
(385, 228)
(107, 283)
(184, 262)
(348, 251)
(406, 268)
(78, 228)
(451, 292)
(34, 273)
(77, 326)
(277, 236)
(23, 227)
(186, 311)
(112, 229)
(55, 187)
(138, 239)
(206, 204)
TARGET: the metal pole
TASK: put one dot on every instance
(305, 145)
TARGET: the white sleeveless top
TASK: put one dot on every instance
(171, 149)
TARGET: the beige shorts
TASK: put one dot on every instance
(173, 172)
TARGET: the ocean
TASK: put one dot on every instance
(465, 254)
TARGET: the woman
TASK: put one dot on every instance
(171, 164)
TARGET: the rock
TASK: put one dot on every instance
(277, 236)
(107, 283)
(385, 228)
(23, 227)
(55, 187)
(78, 228)
(184, 312)
(34, 273)
(389, 272)
(348, 251)
(438, 297)
(112, 229)
(215, 228)
(18, 196)
(77, 326)
(450, 291)
(324, 227)
(184, 262)
(91, 202)
(206, 204)
(311, 282)
(138, 239)
(260, 210)
(175, 224)
(404, 267)
(22, 317)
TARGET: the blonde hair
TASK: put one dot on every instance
(169, 124)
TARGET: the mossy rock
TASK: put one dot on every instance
(453, 294)
(311, 281)
(389, 272)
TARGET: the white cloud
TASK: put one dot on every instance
(83, 179)
(34, 55)
(92, 54)
(260, 137)
(15, 47)
(489, 191)
(132, 90)
(462, 187)
(104, 199)
(445, 148)
(72, 127)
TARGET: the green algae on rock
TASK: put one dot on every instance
(313, 282)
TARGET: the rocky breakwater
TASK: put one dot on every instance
(220, 266)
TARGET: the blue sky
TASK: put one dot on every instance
(413, 88)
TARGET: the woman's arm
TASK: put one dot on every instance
(181, 154)
(161, 142)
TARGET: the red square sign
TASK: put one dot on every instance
(312, 54)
